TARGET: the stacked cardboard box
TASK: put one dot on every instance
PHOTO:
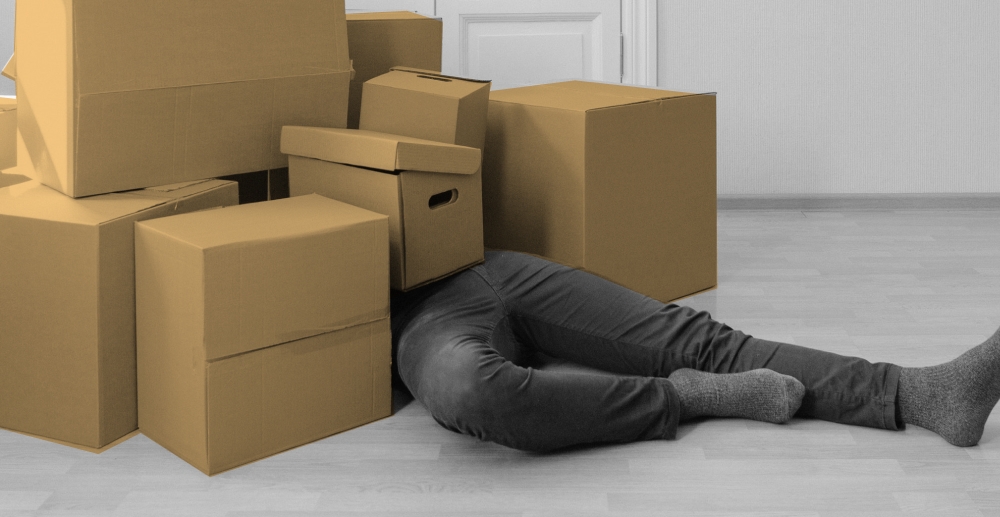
(117, 97)
(67, 306)
(261, 327)
(380, 41)
(614, 179)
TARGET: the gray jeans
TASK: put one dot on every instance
(464, 347)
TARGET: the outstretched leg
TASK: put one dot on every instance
(954, 399)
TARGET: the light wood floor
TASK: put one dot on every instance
(914, 288)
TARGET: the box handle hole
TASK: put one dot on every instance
(442, 199)
(442, 79)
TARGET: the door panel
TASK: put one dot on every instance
(521, 42)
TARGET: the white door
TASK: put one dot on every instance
(520, 42)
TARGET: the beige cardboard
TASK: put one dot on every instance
(425, 243)
(10, 69)
(190, 93)
(380, 41)
(614, 179)
(7, 180)
(428, 105)
(8, 132)
(67, 310)
(261, 327)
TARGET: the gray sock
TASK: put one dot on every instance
(954, 399)
(761, 394)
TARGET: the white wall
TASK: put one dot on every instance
(843, 96)
(6, 42)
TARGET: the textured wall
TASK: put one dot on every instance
(843, 96)
(6, 42)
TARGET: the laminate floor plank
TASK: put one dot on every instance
(911, 287)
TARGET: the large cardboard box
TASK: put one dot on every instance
(67, 306)
(432, 193)
(115, 97)
(261, 327)
(380, 41)
(8, 132)
(428, 105)
(614, 179)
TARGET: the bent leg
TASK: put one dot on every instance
(580, 317)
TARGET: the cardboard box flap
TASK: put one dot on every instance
(256, 222)
(175, 186)
(582, 95)
(34, 200)
(379, 150)
(388, 15)
(420, 71)
(8, 102)
(10, 69)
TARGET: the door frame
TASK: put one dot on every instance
(639, 42)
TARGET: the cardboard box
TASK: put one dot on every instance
(114, 97)
(261, 327)
(380, 41)
(67, 306)
(614, 179)
(8, 132)
(432, 193)
(428, 105)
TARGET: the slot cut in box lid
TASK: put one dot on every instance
(379, 150)
(278, 271)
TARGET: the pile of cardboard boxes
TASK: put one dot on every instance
(136, 293)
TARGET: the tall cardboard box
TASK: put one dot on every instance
(432, 193)
(614, 179)
(380, 41)
(67, 306)
(428, 105)
(114, 97)
(261, 327)
(8, 132)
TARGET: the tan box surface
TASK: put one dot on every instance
(261, 327)
(113, 97)
(618, 180)
(8, 132)
(380, 41)
(9, 178)
(425, 104)
(67, 306)
(432, 193)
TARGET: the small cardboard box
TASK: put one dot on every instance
(614, 179)
(67, 306)
(432, 193)
(425, 104)
(114, 97)
(380, 41)
(8, 132)
(261, 327)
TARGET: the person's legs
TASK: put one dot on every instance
(580, 317)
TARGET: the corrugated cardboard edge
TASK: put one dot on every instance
(78, 446)
(10, 69)
(437, 74)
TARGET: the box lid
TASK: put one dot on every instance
(379, 150)
(428, 82)
(388, 15)
(582, 95)
(33, 200)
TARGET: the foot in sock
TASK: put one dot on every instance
(954, 399)
(763, 395)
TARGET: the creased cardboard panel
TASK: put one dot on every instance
(282, 270)
(67, 311)
(380, 41)
(163, 97)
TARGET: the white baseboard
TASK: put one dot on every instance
(990, 201)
